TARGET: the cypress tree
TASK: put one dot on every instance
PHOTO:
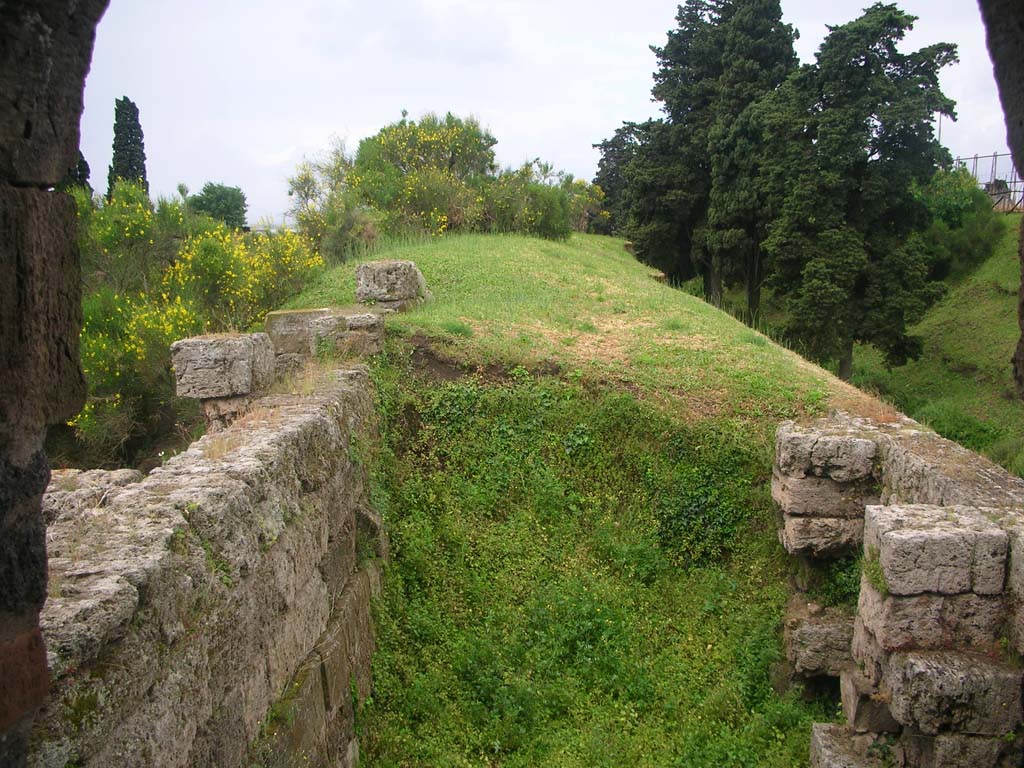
(129, 160)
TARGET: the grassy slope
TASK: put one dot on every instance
(584, 568)
(962, 385)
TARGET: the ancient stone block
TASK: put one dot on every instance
(954, 750)
(921, 467)
(866, 709)
(811, 496)
(835, 746)
(298, 734)
(345, 333)
(870, 659)
(824, 450)
(289, 330)
(931, 621)
(938, 691)
(821, 536)
(817, 641)
(72, 490)
(943, 550)
(389, 281)
(222, 365)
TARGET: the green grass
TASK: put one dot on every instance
(585, 570)
(962, 385)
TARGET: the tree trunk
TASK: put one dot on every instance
(846, 361)
(754, 286)
(712, 286)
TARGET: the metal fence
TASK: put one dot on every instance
(997, 175)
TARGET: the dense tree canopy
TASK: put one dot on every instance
(687, 190)
(854, 137)
(221, 202)
(129, 159)
(813, 180)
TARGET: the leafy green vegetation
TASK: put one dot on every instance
(576, 579)
(431, 177)
(584, 565)
(961, 386)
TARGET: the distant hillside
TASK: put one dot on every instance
(962, 386)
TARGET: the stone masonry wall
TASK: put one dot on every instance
(45, 49)
(216, 612)
(929, 664)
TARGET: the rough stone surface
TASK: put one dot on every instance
(954, 750)
(72, 490)
(289, 329)
(944, 550)
(346, 334)
(224, 365)
(817, 641)
(931, 621)
(811, 496)
(832, 449)
(45, 49)
(939, 691)
(191, 601)
(390, 281)
(44, 59)
(834, 746)
(865, 707)
(821, 537)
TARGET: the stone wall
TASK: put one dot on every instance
(216, 612)
(929, 664)
(45, 49)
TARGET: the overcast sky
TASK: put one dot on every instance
(238, 91)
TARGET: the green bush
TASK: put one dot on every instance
(965, 230)
(949, 420)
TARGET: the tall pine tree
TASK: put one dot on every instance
(129, 159)
(693, 203)
(853, 136)
(757, 56)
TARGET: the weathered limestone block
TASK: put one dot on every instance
(71, 490)
(939, 691)
(390, 283)
(942, 550)
(865, 707)
(817, 640)
(841, 452)
(835, 746)
(289, 329)
(222, 365)
(954, 750)
(931, 621)
(345, 333)
(811, 496)
(821, 536)
(869, 657)
(921, 467)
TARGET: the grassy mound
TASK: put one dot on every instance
(962, 385)
(573, 471)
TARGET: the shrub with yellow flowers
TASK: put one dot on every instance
(235, 279)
